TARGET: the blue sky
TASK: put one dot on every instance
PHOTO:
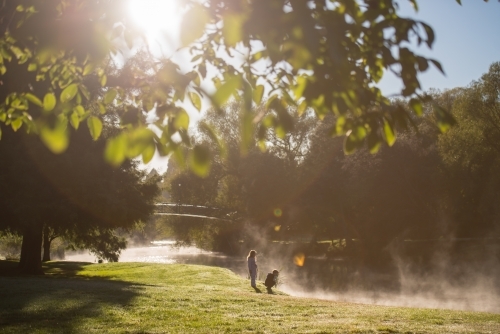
(467, 41)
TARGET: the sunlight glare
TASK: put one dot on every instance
(156, 16)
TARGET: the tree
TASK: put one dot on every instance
(471, 156)
(323, 55)
(75, 194)
(56, 56)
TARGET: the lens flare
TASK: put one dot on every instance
(278, 213)
(299, 259)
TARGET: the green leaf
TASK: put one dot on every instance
(49, 102)
(74, 120)
(258, 93)
(33, 99)
(351, 143)
(138, 141)
(416, 106)
(56, 139)
(200, 160)
(193, 24)
(16, 124)
(181, 120)
(115, 150)
(195, 100)
(390, 136)
(69, 93)
(225, 91)
(415, 5)
(207, 129)
(32, 67)
(110, 96)
(88, 69)
(444, 119)
(459, 2)
(302, 108)
(103, 80)
(95, 127)
(148, 153)
(232, 29)
(374, 142)
(79, 110)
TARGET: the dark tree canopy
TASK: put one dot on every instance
(75, 193)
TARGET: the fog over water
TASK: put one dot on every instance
(327, 279)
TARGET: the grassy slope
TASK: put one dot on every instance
(155, 298)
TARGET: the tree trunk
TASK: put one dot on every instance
(46, 244)
(31, 250)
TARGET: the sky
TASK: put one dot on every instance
(467, 41)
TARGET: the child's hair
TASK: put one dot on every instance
(251, 254)
(275, 272)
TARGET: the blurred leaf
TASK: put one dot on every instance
(34, 99)
(416, 106)
(69, 93)
(88, 69)
(103, 80)
(459, 2)
(438, 65)
(258, 92)
(95, 127)
(182, 120)
(444, 119)
(351, 143)
(56, 139)
(115, 150)
(200, 160)
(302, 108)
(415, 4)
(16, 124)
(225, 91)
(373, 141)
(110, 96)
(193, 24)
(74, 120)
(79, 110)
(49, 102)
(138, 141)
(390, 136)
(195, 100)
(211, 133)
(148, 153)
(247, 133)
(232, 29)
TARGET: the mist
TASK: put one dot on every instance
(441, 284)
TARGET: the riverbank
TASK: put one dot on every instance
(156, 298)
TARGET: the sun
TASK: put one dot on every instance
(155, 17)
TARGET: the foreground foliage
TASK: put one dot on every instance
(155, 298)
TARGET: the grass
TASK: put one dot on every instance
(156, 298)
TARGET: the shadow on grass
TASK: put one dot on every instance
(257, 290)
(60, 301)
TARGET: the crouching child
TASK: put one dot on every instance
(271, 279)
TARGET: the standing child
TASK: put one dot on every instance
(252, 267)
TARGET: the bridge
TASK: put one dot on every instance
(195, 211)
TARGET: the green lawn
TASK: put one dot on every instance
(156, 298)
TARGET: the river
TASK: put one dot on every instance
(323, 278)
